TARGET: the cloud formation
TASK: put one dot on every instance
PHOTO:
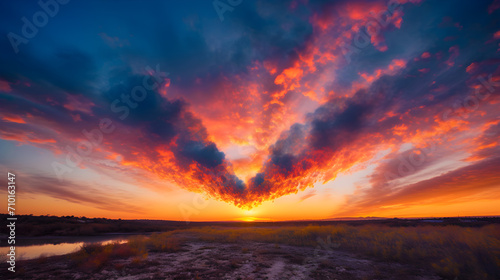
(270, 104)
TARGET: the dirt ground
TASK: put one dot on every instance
(212, 260)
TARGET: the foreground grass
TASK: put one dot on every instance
(94, 256)
(451, 251)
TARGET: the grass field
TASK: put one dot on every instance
(452, 252)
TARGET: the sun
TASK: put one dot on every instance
(248, 215)
(248, 212)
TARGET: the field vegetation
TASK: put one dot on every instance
(453, 252)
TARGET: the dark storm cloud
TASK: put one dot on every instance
(205, 154)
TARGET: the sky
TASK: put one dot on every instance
(251, 110)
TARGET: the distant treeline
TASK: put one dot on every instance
(28, 225)
(45, 225)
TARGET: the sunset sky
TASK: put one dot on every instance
(259, 110)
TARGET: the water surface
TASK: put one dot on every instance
(33, 248)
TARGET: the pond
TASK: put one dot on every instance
(33, 248)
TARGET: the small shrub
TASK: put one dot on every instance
(164, 242)
(94, 256)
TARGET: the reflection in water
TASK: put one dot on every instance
(35, 251)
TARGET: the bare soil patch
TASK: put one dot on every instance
(216, 260)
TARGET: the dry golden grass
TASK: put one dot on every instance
(451, 251)
(94, 256)
(164, 242)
